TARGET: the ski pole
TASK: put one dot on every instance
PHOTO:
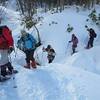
(0, 71)
(42, 57)
(67, 46)
(10, 59)
(37, 56)
(15, 52)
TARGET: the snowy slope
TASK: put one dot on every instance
(87, 59)
(75, 77)
(59, 37)
(52, 83)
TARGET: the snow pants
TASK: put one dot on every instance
(4, 57)
(29, 56)
(90, 43)
(4, 63)
(73, 48)
(50, 58)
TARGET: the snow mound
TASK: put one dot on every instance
(88, 60)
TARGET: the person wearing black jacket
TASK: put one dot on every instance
(92, 35)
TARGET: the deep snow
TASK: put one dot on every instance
(75, 77)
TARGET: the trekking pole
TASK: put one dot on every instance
(42, 56)
(10, 59)
(87, 27)
(37, 57)
(67, 47)
(11, 64)
(0, 72)
(15, 52)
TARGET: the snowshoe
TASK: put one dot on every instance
(30, 67)
(74, 52)
(86, 47)
(37, 64)
(27, 67)
(4, 78)
(13, 72)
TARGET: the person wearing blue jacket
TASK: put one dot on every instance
(27, 43)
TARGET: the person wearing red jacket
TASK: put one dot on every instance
(6, 47)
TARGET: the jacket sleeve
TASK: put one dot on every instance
(8, 37)
(33, 39)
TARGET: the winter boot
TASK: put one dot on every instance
(10, 68)
(3, 70)
(27, 66)
(33, 64)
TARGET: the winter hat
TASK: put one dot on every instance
(23, 32)
(73, 35)
(49, 46)
(91, 29)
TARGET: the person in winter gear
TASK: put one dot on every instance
(74, 41)
(92, 35)
(6, 47)
(51, 53)
(27, 44)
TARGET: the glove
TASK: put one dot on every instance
(88, 30)
(38, 44)
(86, 26)
(10, 50)
(70, 41)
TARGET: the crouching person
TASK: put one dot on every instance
(51, 53)
(6, 47)
(27, 44)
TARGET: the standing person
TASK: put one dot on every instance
(51, 53)
(27, 44)
(6, 47)
(92, 35)
(74, 41)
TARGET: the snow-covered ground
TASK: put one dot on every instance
(69, 77)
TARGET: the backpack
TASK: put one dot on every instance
(95, 35)
(92, 32)
(6, 39)
(76, 40)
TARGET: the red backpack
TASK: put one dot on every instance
(6, 39)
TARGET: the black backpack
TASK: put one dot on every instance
(93, 33)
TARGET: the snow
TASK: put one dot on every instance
(69, 77)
